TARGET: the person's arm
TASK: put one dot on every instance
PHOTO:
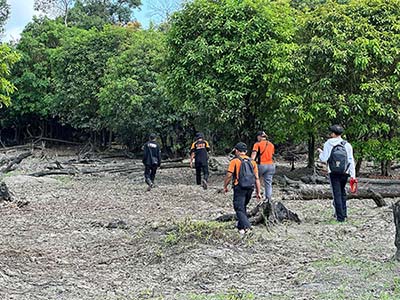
(254, 152)
(159, 156)
(192, 155)
(207, 146)
(325, 153)
(350, 158)
(258, 185)
(227, 180)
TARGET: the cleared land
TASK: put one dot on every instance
(103, 236)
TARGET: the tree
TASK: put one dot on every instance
(55, 8)
(4, 13)
(79, 66)
(351, 72)
(162, 10)
(97, 13)
(132, 101)
(8, 57)
(227, 63)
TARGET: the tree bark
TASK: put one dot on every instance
(311, 147)
(266, 212)
(312, 192)
(396, 215)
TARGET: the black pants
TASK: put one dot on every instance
(338, 184)
(201, 169)
(150, 172)
(241, 197)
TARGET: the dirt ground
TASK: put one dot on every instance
(104, 236)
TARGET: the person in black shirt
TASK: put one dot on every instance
(151, 159)
(199, 153)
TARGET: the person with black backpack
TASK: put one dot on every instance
(151, 160)
(338, 154)
(243, 173)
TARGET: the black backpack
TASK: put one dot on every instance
(247, 178)
(338, 162)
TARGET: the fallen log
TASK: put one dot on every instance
(317, 179)
(76, 171)
(11, 164)
(396, 215)
(265, 212)
(312, 192)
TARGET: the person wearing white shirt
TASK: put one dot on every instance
(338, 180)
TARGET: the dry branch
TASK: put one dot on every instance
(13, 161)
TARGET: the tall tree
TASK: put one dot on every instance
(351, 72)
(55, 8)
(96, 13)
(227, 61)
(4, 13)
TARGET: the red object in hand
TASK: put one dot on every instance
(353, 185)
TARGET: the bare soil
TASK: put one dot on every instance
(104, 236)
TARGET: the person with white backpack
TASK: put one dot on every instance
(338, 154)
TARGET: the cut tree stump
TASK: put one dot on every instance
(396, 215)
(266, 212)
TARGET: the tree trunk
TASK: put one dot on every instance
(313, 192)
(396, 215)
(266, 212)
(386, 167)
(311, 151)
(358, 167)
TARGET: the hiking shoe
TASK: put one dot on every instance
(242, 232)
(204, 184)
(149, 183)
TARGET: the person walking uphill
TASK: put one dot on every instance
(263, 151)
(199, 153)
(151, 160)
(338, 154)
(243, 173)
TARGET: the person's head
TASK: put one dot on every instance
(240, 148)
(152, 136)
(336, 130)
(199, 136)
(261, 135)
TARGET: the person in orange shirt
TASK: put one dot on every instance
(263, 151)
(243, 173)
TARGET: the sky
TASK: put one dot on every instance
(22, 12)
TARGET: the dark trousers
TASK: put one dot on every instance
(338, 184)
(199, 170)
(150, 172)
(241, 197)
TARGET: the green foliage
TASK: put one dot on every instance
(79, 66)
(97, 13)
(132, 101)
(4, 13)
(227, 61)
(33, 73)
(8, 57)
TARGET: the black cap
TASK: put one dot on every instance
(199, 135)
(336, 129)
(241, 147)
(152, 136)
(261, 133)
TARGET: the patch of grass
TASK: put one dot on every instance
(64, 179)
(378, 278)
(230, 295)
(204, 231)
